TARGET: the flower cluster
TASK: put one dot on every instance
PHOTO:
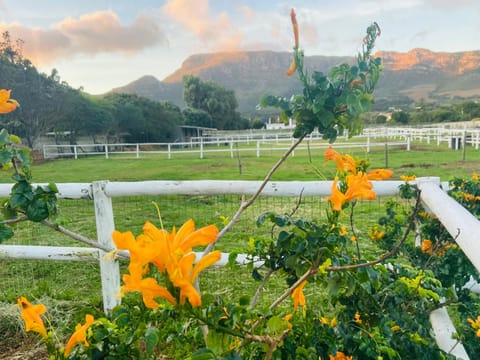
(171, 253)
(475, 324)
(33, 322)
(356, 182)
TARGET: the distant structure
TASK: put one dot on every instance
(279, 125)
(188, 131)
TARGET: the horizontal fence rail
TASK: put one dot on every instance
(461, 224)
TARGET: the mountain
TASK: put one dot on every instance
(407, 78)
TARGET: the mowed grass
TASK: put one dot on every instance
(77, 283)
(422, 160)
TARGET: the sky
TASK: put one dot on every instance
(99, 45)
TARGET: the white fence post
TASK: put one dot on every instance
(137, 150)
(109, 267)
(106, 151)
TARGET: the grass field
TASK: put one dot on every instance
(422, 160)
(70, 286)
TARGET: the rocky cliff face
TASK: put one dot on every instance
(450, 63)
(418, 75)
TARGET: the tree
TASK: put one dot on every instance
(139, 119)
(214, 99)
(42, 98)
(400, 117)
(197, 117)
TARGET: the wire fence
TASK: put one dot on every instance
(80, 280)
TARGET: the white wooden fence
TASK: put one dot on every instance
(203, 147)
(264, 142)
(460, 223)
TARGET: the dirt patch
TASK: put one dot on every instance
(425, 166)
(27, 348)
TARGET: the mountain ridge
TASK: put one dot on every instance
(407, 78)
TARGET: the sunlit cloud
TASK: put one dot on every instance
(90, 34)
(216, 32)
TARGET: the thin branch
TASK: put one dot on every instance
(14, 221)
(260, 288)
(313, 271)
(310, 272)
(245, 204)
(82, 238)
(389, 254)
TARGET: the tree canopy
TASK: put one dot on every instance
(215, 100)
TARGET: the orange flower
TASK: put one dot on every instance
(293, 17)
(358, 318)
(340, 356)
(426, 246)
(172, 253)
(379, 174)
(80, 335)
(475, 324)
(344, 162)
(293, 66)
(375, 234)
(287, 318)
(6, 104)
(298, 295)
(31, 315)
(149, 288)
(359, 187)
(337, 199)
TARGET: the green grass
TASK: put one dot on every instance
(422, 160)
(77, 283)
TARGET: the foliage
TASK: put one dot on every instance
(26, 202)
(430, 113)
(332, 103)
(143, 120)
(197, 117)
(217, 101)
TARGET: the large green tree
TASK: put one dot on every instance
(214, 99)
(139, 119)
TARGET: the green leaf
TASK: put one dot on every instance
(4, 137)
(37, 210)
(151, 339)
(6, 156)
(217, 342)
(202, 354)
(6, 232)
(15, 139)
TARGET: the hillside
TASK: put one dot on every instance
(408, 78)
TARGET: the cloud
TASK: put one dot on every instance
(450, 3)
(215, 31)
(90, 34)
